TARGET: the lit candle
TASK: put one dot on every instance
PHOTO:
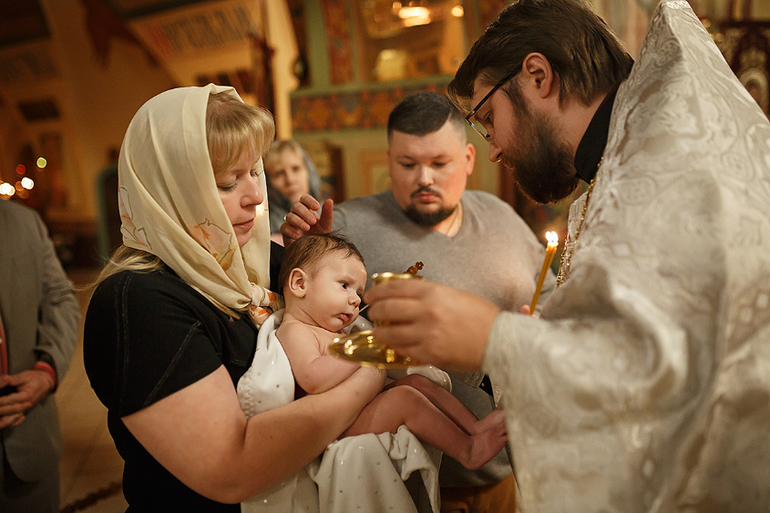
(550, 249)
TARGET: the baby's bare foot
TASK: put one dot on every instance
(484, 446)
(495, 420)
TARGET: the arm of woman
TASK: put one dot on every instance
(202, 437)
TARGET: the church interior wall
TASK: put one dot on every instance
(334, 76)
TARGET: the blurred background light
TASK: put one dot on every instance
(7, 189)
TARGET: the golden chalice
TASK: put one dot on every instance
(361, 347)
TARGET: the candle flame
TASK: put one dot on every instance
(552, 237)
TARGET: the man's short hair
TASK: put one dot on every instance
(424, 113)
(582, 50)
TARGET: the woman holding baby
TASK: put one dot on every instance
(175, 318)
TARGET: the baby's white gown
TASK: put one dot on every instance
(364, 473)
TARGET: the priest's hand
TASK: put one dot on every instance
(304, 219)
(432, 323)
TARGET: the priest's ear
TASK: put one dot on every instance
(296, 285)
(538, 79)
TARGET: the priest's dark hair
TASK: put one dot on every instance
(582, 50)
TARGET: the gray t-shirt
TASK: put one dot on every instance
(495, 256)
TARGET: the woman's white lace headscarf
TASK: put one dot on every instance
(170, 205)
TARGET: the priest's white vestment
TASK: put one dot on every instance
(645, 384)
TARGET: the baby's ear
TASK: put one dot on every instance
(297, 283)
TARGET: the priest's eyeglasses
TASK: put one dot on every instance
(480, 130)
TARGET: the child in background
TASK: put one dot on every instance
(323, 279)
(290, 174)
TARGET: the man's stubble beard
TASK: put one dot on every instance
(429, 219)
(542, 167)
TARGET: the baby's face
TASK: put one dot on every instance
(334, 291)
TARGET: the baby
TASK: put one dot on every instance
(323, 278)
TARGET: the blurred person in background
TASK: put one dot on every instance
(290, 174)
(39, 319)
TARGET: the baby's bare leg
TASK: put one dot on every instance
(406, 405)
(450, 405)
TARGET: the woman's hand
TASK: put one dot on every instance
(303, 219)
(432, 323)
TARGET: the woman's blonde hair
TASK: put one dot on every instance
(128, 259)
(232, 127)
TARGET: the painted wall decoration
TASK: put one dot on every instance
(363, 109)
(336, 21)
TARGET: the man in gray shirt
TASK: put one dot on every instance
(470, 240)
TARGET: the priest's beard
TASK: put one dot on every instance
(542, 167)
(430, 219)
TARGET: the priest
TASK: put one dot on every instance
(644, 385)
